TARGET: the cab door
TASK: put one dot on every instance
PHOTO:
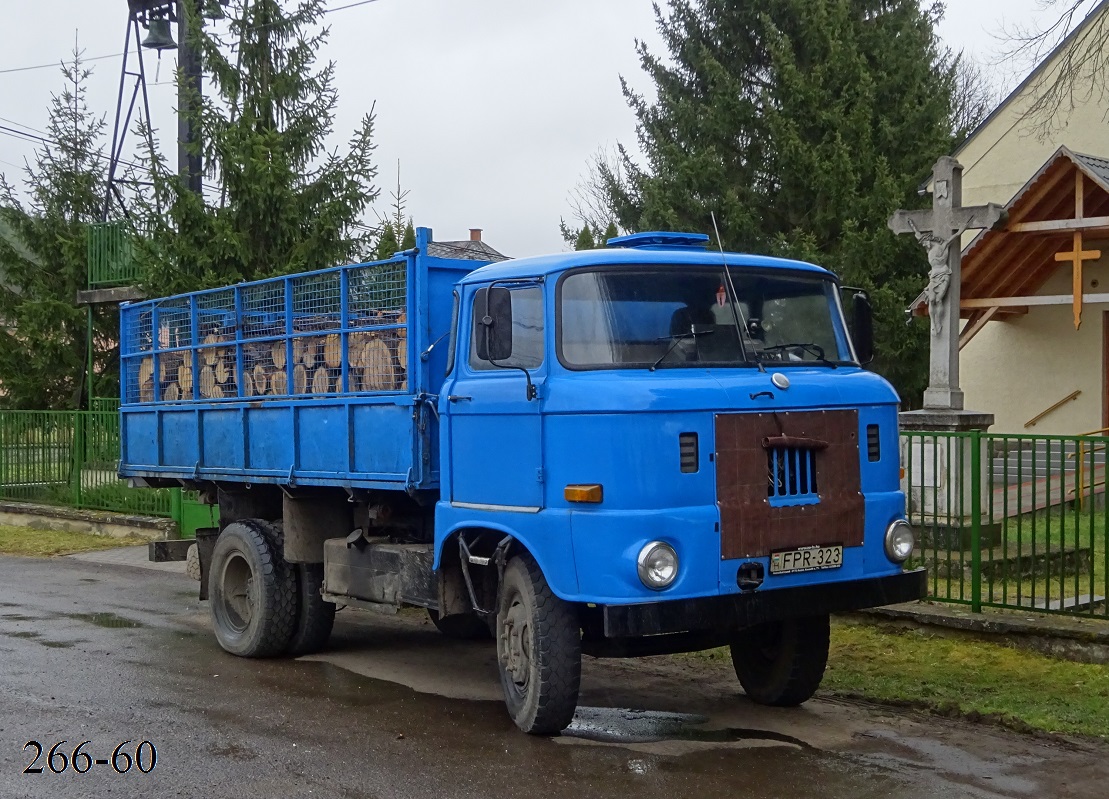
(496, 432)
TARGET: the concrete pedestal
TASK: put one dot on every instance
(939, 479)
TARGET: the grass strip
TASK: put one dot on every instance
(31, 542)
(968, 678)
(963, 678)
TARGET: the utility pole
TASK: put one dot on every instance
(190, 165)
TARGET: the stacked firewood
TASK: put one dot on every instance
(376, 361)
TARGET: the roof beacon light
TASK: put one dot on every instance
(661, 240)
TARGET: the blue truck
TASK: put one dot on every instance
(650, 448)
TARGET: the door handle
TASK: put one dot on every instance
(458, 398)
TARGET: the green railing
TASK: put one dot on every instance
(110, 256)
(1010, 521)
(70, 458)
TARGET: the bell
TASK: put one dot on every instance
(213, 9)
(158, 36)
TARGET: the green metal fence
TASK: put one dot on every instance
(110, 256)
(70, 458)
(1010, 521)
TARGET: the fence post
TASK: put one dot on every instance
(177, 510)
(78, 456)
(976, 521)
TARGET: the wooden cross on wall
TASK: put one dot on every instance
(1077, 256)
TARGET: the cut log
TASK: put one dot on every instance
(223, 366)
(248, 384)
(146, 370)
(300, 378)
(279, 382)
(378, 373)
(298, 350)
(146, 389)
(309, 352)
(333, 351)
(207, 382)
(321, 381)
(210, 354)
(171, 393)
(356, 349)
(185, 380)
(261, 380)
(167, 366)
(277, 354)
(402, 337)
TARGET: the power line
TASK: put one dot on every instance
(120, 55)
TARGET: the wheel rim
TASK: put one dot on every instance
(515, 644)
(237, 595)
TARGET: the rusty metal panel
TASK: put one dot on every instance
(750, 526)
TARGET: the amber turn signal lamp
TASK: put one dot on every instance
(584, 493)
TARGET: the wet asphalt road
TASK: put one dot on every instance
(108, 654)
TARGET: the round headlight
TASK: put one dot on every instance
(899, 541)
(658, 565)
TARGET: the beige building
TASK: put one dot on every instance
(1036, 335)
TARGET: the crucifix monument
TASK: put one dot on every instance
(939, 231)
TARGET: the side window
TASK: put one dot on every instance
(527, 330)
(452, 349)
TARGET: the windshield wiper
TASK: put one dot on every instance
(693, 333)
(811, 348)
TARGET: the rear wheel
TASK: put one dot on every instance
(252, 592)
(782, 663)
(315, 618)
(463, 626)
(538, 650)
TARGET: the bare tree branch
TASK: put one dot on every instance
(1080, 75)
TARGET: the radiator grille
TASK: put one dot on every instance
(791, 473)
(688, 452)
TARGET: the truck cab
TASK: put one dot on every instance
(683, 442)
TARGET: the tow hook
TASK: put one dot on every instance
(749, 577)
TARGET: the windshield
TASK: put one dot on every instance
(679, 316)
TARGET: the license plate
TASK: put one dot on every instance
(806, 559)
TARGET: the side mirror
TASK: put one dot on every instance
(494, 340)
(863, 333)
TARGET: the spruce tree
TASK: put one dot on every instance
(585, 240)
(801, 124)
(43, 263)
(278, 201)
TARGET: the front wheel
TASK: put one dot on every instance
(538, 650)
(252, 592)
(781, 663)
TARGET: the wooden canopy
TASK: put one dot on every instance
(1050, 221)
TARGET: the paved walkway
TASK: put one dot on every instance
(129, 556)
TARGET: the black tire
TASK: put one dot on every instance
(782, 663)
(315, 618)
(251, 591)
(538, 650)
(463, 626)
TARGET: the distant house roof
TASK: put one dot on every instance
(464, 251)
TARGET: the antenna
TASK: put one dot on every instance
(737, 313)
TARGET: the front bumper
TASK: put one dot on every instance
(734, 611)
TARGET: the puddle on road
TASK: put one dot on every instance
(58, 644)
(89, 580)
(109, 620)
(621, 725)
(18, 617)
(23, 634)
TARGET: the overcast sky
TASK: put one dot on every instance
(493, 107)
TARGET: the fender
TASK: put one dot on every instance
(542, 534)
